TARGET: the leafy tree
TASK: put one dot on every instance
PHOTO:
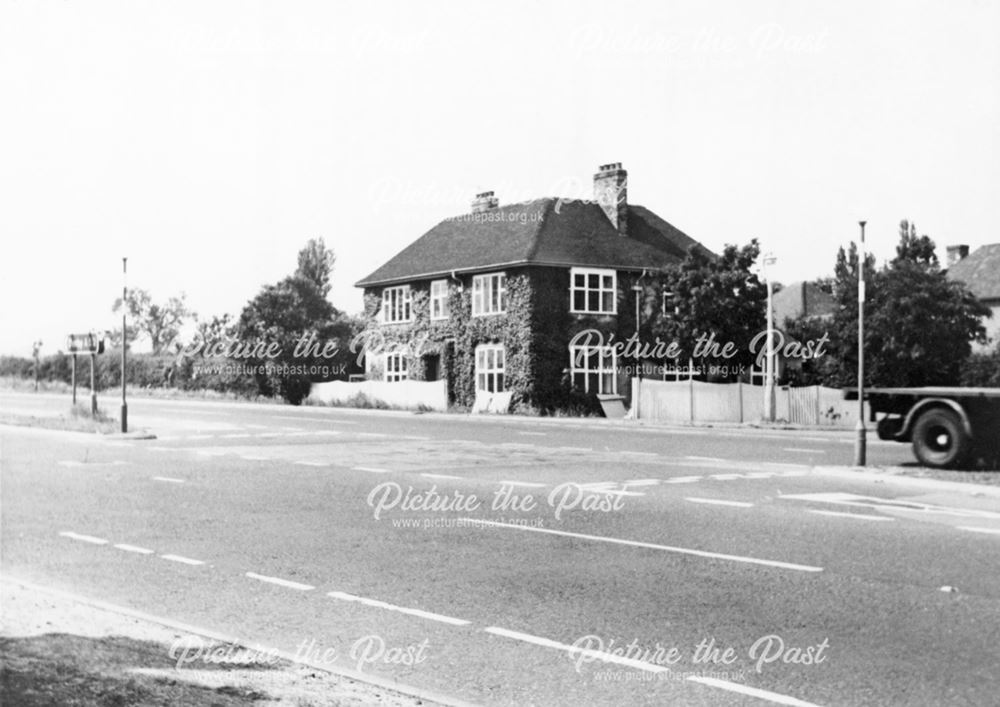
(293, 330)
(918, 324)
(718, 299)
(982, 370)
(160, 323)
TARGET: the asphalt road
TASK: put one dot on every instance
(516, 561)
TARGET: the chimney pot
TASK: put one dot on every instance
(956, 253)
(611, 193)
(484, 201)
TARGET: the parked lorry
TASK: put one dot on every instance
(949, 428)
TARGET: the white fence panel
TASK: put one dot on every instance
(402, 394)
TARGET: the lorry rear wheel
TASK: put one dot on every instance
(939, 440)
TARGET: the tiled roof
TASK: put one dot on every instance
(980, 270)
(802, 298)
(541, 232)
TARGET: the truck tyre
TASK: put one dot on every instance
(940, 440)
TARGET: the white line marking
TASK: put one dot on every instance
(134, 548)
(793, 473)
(371, 434)
(839, 514)
(643, 482)
(726, 477)
(116, 462)
(417, 438)
(721, 502)
(775, 697)
(653, 546)
(280, 582)
(200, 436)
(313, 463)
(182, 559)
(442, 476)
(402, 609)
(534, 434)
(804, 450)
(254, 458)
(705, 459)
(759, 475)
(84, 538)
(530, 484)
(991, 531)
(168, 479)
(576, 651)
(238, 435)
(573, 449)
(640, 454)
(682, 479)
(372, 469)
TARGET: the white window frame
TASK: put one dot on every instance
(439, 300)
(395, 368)
(491, 368)
(489, 294)
(586, 289)
(607, 365)
(397, 304)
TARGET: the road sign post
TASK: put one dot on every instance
(74, 379)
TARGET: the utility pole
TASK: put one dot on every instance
(860, 445)
(769, 402)
(124, 342)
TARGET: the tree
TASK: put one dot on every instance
(294, 332)
(718, 297)
(161, 323)
(918, 324)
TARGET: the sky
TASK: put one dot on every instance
(208, 141)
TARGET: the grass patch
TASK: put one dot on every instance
(78, 419)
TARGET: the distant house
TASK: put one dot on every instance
(490, 300)
(802, 299)
(980, 271)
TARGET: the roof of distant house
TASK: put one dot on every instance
(548, 232)
(802, 299)
(980, 271)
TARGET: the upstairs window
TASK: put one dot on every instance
(593, 291)
(489, 294)
(439, 299)
(396, 304)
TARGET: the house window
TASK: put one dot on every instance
(489, 368)
(439, 299)
(489, 294)
(593, 369)
(593, 291)
(396, 304)
(395, 368)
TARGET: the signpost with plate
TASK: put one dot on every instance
(88, 343)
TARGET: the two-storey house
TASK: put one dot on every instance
(494, 300)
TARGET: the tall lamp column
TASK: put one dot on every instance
(861, 443)
(124, 342)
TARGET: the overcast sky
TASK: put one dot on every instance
(207, 141)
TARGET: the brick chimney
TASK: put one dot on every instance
(484, 202)
(611, 192)
(956, 253)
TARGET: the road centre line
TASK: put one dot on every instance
(573, 449)
(281, 582)
(134, 548)
(683, 479)
(529, 484)
(306, 463)
(182, 559)
(416, 438)
(168, 479)
(372, 434)
(726, 477)
(803, 450)
(401, 609)
(442, 476)
(642, 482)
(653, 546)
(774, 697)
(85, 538)
(991, 531)
(601, 655)
(721, 502)
(706, 459)
(533, 434)
(841, 514)
(372, 469)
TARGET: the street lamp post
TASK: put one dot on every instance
(860, 445)
(769, 402)
(124, 342)
(637, 289)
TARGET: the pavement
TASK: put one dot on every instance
(525, 561)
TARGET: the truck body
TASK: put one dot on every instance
(949, 428)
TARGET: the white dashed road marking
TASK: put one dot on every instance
(991, 531)
(774, 697)
(840, 514)
(803, 450)
(442, 476)
(533, 434)
(134, 548)
(682, 479)
(705, 459)
(84, 538)
(281, 582)
(401, 609)
(313, 463)
(721, 502)
(529, 484)
(182, 559)
(168, 479)
(726, 477)
(576, 651)
(371, 469)
(652, 546)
